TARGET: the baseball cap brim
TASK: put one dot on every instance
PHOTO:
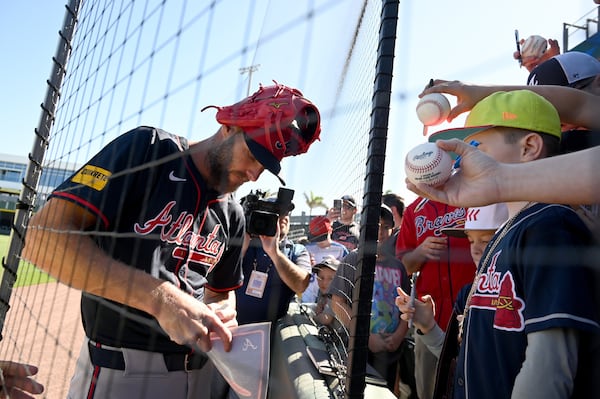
(461, 133)
(460, 233)
(329, 263)
(349, 200)
(265, 157)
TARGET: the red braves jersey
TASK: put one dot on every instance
(443, 278)
(154, 212)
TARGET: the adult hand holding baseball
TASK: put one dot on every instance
(535, 50)
(433, 109)
(475, 184)
(428, 164)
(533, 47)
(467, 95)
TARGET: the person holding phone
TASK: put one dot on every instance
(345, 229)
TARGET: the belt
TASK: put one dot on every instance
(113, 359)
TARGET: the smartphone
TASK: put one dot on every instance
(337, 205)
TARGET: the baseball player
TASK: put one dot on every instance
(149, 231)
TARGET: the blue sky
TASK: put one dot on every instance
(469, 40)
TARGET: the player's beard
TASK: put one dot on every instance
(220, 159)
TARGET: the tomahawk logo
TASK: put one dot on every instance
(496, 292)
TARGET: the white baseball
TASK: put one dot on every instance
(429, 164)
(433, 109)
(534, 46)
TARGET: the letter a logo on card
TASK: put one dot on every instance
(246, 366)
(248, 345)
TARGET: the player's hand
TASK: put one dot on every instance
(422, 314)
(466, 95)
(188, 321)
(226, 313)
(17, 382)
(433, 247)
(476, 183)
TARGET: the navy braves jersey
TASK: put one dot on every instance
(277, 295)
(537, 278)
(154, 212)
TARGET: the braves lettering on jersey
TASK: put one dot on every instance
(536, 279)
(155, 213)
(443, 278)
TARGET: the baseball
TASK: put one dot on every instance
(433, 109)
(534, 46)
(429, 164)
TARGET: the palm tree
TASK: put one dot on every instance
(313, 201)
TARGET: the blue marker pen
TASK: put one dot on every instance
(474, 143)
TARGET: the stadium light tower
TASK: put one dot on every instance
(250, 70)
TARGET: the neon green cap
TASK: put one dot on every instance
(522, 109)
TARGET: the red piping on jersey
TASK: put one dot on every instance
(84, 204)
(93, 383)
(213, 266)
(223, 289)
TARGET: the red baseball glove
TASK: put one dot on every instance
(277, 117)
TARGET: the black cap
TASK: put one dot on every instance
(386, 214)
(349, 200)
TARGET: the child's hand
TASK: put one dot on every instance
(422, 314)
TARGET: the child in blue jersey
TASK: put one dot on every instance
(528, 321)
